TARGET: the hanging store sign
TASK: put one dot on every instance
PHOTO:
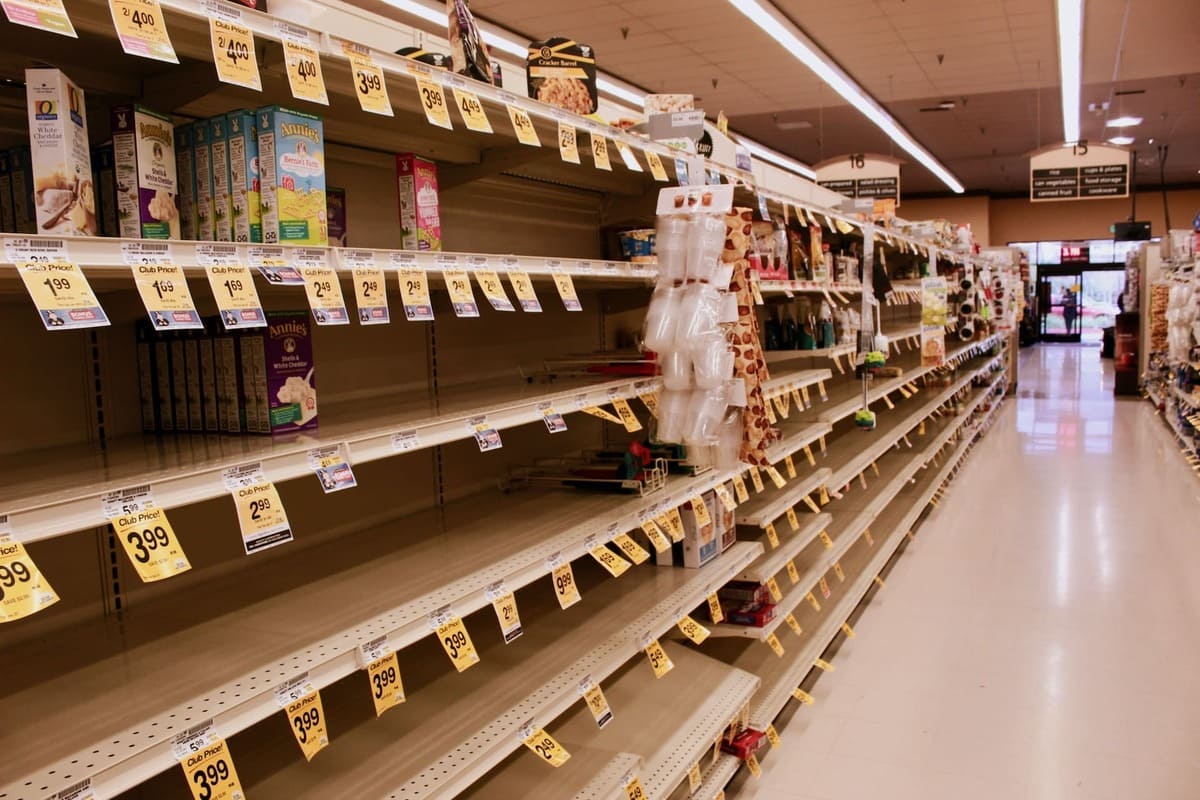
(861, 175)
(1078, 172)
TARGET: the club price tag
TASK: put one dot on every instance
(331, 465)
(700, 509)
(775, 477)
(554, 420)
(462, 298)
(739, 488)
(523, 126)
(773, 588)
(504, 603)
(45, 15)
(600, 152)
(433, 103)
(770, 409)
(493, 290)
(693, 630)
(812, 601)
(486, 435)
(656, 166)
(659, 661)
(523, 288)
(823, 665)
(566, 291)
(793, 574)
(772, 737)
(62, 295)
(798, 400)
(303, 64)
(233, 47)
(568, 148)
(846, 629)
(452, 635)
(592, 694)
(544, 745)
(370, 86)
(383, 674)
(632, 550)
(772, 535)
(823, 585)
(626, 153)
(782, 405)
(471, 110)
(756, 479)
(825, 540)
(566, 591)
(613, 563)
(324, 293)
(790, 619)
(261, 515)
(808, 455)
(414, 294)
(626, 415)
(823, 495)
(164, 292)
(837, 570)
(791, 466)
(812, 505)
(151, 544)
(370, 295)
(23, 588)
(236, 296)
(793, 522)
(650, 401)
(302, 704)
(207, 765)
(142, 30)
(753, 765)
(633, 788)
(725, 497)
(775, 645)
(694, 779)
(803, 696)
(657, 538)
(715, 612)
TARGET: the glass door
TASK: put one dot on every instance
(1060, 304)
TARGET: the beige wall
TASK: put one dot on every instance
(1000, 221)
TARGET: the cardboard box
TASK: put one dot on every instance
(291, 160)
(144, 159)
(105, 175)
(208, 376)
(278, 375)
(335, 204)
(185, 172)
(231, 413)
(202, 158)
(701, 544)
(8, 223)
(222, 209)
(244, 185)
(65, 196)
(195, 396)
(147, 383)
(163, 390)
(562, 72)
(420, 211)
(179, 382)
(20, 163)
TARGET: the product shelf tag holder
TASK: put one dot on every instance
(793, 522)
(544, 745)
(145, 534)
(486, 435)
(142, 30)
(633, 788)
(303, 63)
(473, 115)
(235, 294)
(626, 415)
(568, 147)
(370, 86)
(207, 765)
(659, 661)
(232, 46)
(331, 464)
(739, 488)
(414, 293)
(693, 630)
(522, 286)
(626, 153)
(164, 292)
(370, 295)
(756, 479)
(772, 535)
(433, 103)
(261, 515)
(44, 15)
(23, 588)
(62, 295)
(492, 288)
(301, 701)
(324, 293)
(454, 639)
(566, 591)
(383, 674)
(593, 695)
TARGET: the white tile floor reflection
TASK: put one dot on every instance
(1038, 641)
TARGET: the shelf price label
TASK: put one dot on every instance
(600, 413)
(566, 291)
(452, 635)
(45, 15)
(725, 497)
(793, 522)
(812, 601)
(626, 415)
(485, 433)
(812, 504)
(803, 696)
(522, 287)
(566, 591)
(775, 645)
(672, 522)
(632, 550)
(301, 702)
(383, 673)
(837, 570)
(823, 495)
(656, 166)
(237, 298)
(700, 510)
(79, 791)
(773, 588)
(370, 86)
(62, 295)
(739, 488)
(207, 765)
(756, 479)
(659, 661)
(823, 585)
(414, 293)
(773, 737)
(772, 535)
(568, 148)
(753, 765)
(433, 103)
(331, 464)
(142, 29)
(324, 293)
(633, 788)
(808, 456)
(462, 298)
(823, 665)
(846, 629)
(23, 588)
(151, 544)
(613, 563)
(523, 126)
(693, 630)
(792, 623)
(626, 153)
(493, 290)
(232, 47)
(600, 152)
(303, 63)
(165, 294)
(793, 573)
(715, 613)
(472, 111)
(261, 515)
(650, 401)
(870, 539)
(774, 475)
(655, 534)
(370, 295)
(694, 779)
(544, 745)
(554, 420)
(826, 541)
(504, 602)
(593, 695)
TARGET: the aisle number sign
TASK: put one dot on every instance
(383, 674)
(62, 295)
(236, 296)
(45, 15)
(523, 288)
(142, 29)
(232, 46)
(414, 294)
(301, 702)
(504, 603)
(472, 111)
(207, 764)
(544, 745)
(454, 639)
(370, 87)
(165, 294)
(23, 588)
(433, 103)
(324, 293)
(261, 515)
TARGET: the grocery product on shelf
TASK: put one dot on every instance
(146, 180)
(64, 194)
(433, 59)
(335, 207)
(420, 212)
(201, 134)
(245, 186)
(105, 177)
(291, 160)
(7, 213)
(467, 49)
(562, 72)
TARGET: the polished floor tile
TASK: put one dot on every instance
(1036, 642)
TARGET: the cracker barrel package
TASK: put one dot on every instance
(562, 72)
(291, 160)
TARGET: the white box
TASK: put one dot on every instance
(65, 196)
(147, 184)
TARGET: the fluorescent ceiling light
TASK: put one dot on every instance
(420, 10)
(1120, 140)
(1123, 122)
(783, 31)
(778, 159)
(613, 89)
(1070, 63)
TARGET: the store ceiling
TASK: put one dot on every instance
(998, 65)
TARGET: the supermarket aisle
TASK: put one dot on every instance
(1037, 640)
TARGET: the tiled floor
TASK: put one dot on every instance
(1039, 639)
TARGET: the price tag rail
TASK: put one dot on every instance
(773, 562)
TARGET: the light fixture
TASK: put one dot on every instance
(1123, 122)
(613, 89)
(778, 159)
(1121, 141)
(1070, 63)
(779, 28)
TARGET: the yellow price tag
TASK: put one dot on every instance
(433, 103)
(773, 588)
(634, 790)
(824, 495)
(775, 645)
(812, 601)
(821, 440)
(803, 696)
(596, 702)
(523, 289)
(824, 397)
(370, 294)
(798, 400)
(825, 540)
(600, 152)
(812, 506)
(846, 629)
(879, 582)
(781, 407)
(775, 477)
(791, 518)
(63, 297)
(23, 588)
(739, 487)
(862, 478)
(693, 630)
(632, 550)
(151, 544)
(837, 570)
(370, 86)
(715, 612)
(233, 53)
(870, 539)
(628, 418)
(307, 719)
(790, 619)
(546, 747)
(806, 397)
(772, 535)
(613, 563)
(660, 542)
(568, 148)
(304, 71)
(725, 497)
(823, 585)
(656, 166)
(650, 401)
(142, 29)
(473, 115)
(261, 515)
(210, 773)
(773, 737)
(808, 455)
(674, 524)
(387, 689)
(504, 603)
(566, 291)
(694, 779)
(700, 509)
(462, 297)
(791, 466)
(235, 295)
(793, 573)
(493, 290)
(453, 636)
(921, 428)
(523, 127)
(756, 479)
(888, 402)
(875, 468)
(324, 292)
(659, 661)
(414, 294)
(565, 588)
(596, 411)
(753, 766)
(823, 665)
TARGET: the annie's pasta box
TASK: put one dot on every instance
(420, 213)
(244, 184)
(291, 160)
(64, 194)
(147, 185)
(279, 384)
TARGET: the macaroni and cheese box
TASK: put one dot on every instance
(244, 187)
(202, 158)
(105, 174)
(185, 171)
(222, 213)
(62, 162)
(278, 375)
(335, 204)
(420, 213)
(144, 160)
(291, 159)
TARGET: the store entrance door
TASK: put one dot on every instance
(1060, 304)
